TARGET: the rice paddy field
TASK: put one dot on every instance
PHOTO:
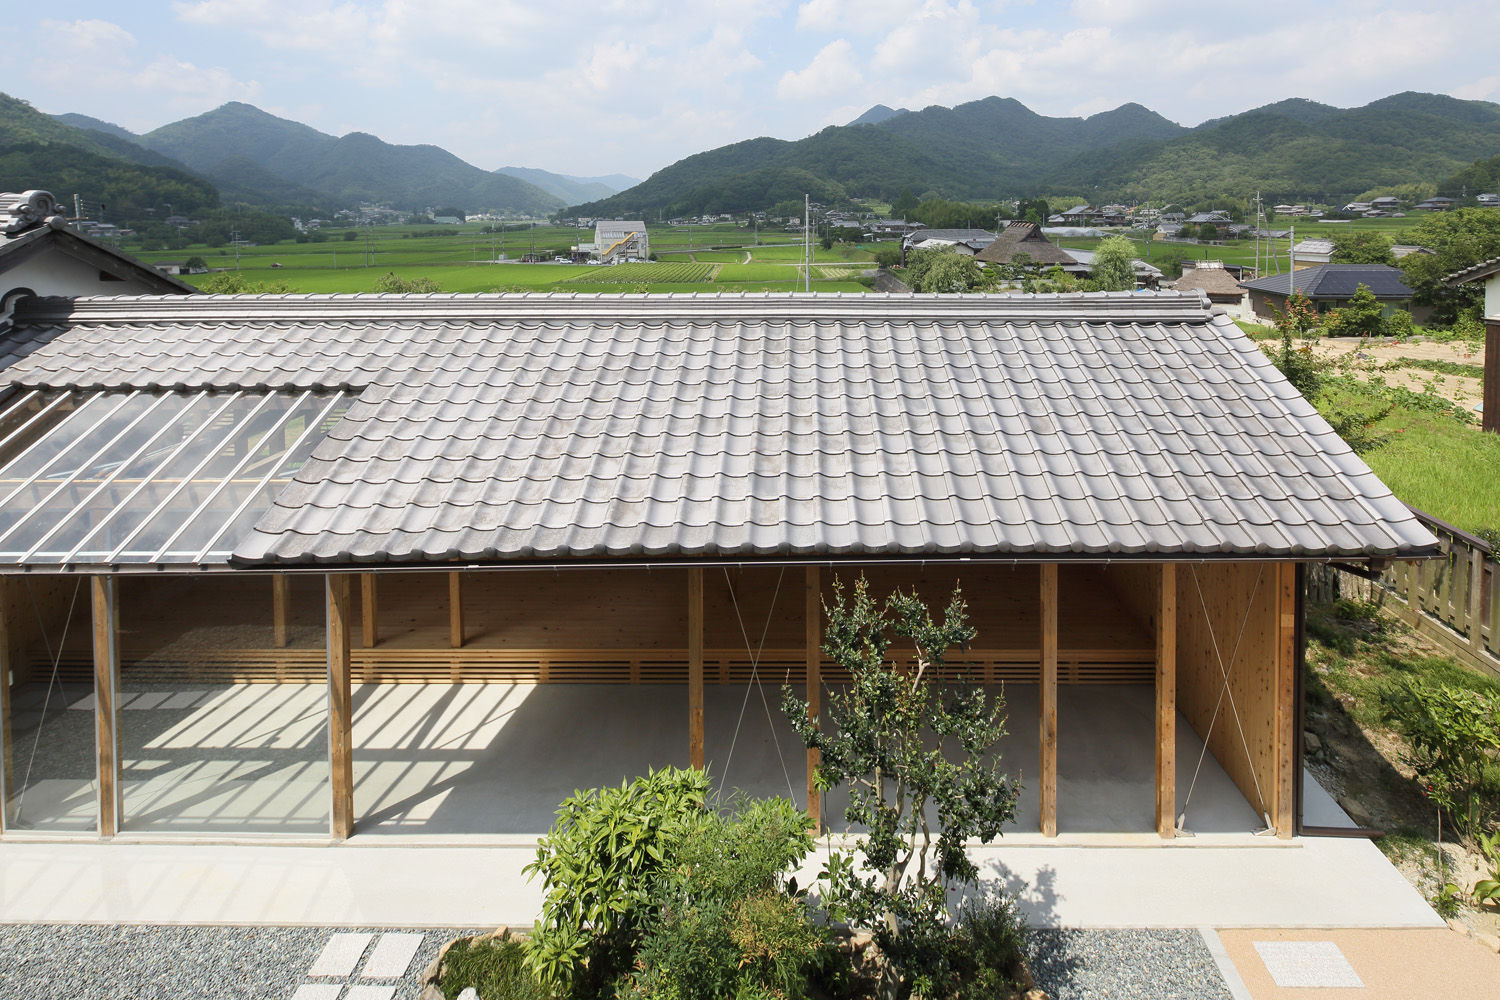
(464, 259)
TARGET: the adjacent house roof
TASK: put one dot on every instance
(1027, 238)
(1336, 281)
(30, 224)
(1313, 246)
(1218, 284)
(561, 428)
(979, 236)
(1476, 272)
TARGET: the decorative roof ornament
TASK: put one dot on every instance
(27, 210)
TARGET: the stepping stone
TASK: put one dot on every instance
(371, 993)
(392, 955)
(320, 991)
(340, 955)
(1307, 964)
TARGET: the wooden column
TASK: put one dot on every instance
(814, 613)
(7, 662)
(281, 600)
(340, 706)
(1166, 701)
(1047, 782)
(1490, 420)
(455, 610)
(106, 702)
(1476, 603)
(1283, 796)
(695, 667)
(369, 610)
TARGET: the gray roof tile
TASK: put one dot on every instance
(579, 427)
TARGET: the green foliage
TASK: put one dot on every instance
(904, 743)
(727, 923)
(1362, 317)
(196, 262)
(494, 967)
(392, 283)
(1487, 890)
(986, 949)
(1114, 268)
(598, 864)
(1454, 738)
(1363, 246)
(675, 272)
(1298, 363)
(942, 270)
(904, 205)
(235, 283)
(888, 256)
(1458, 240)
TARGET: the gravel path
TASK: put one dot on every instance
(94, 962)
(1121, 964)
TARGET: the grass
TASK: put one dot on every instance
(1428, 458)
(669, 273)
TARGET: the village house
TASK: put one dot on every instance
(1331, 286)
(422, 565)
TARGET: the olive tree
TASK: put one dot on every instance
(911, 749)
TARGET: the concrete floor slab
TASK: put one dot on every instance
(1392, 964)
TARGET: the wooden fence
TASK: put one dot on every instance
(1454, 599)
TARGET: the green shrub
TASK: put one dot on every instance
(728, 922)
(494, 967)
(987, 949)
(392, 283)
(1454, 738)
(598, 865)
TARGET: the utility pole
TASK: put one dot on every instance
(807, 242)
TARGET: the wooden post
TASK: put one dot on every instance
(1490, 419)
(1283, 814)
(1476, 602)
(7, 664)
(455, 610)
(695, 667)
(340, 706)
(106, 702)
(369, 610)
(814, 613)
(1047, 782)
(1166, 702)
(281, 600)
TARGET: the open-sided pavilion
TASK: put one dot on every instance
(301, 564)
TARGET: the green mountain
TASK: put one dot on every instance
(1479, 177)
(879, 113)
(37, 151)
(355, 168)
(998, 148)
(570, 189)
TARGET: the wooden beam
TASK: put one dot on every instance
(1166, 701)
(369, 610)
(1047, 783)
(814, 614)
(106, 702)
(1284, 809)
(455, 610)
(281, 601)
(695, 667)
(340, 706)
(1490, 419)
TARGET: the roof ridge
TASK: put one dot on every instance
(1167, 306)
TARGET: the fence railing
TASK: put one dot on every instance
(1454, 599)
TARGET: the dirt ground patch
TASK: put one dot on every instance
(1390, 360)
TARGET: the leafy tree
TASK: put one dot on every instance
(942, 270)
(1114, 267)
(196, 263)
(1208, 232)
(1365, 246)
(904, 205)
(1298, 363)
(1458, 240)
(1362, 317)
(235, 283)
(1033, 210)
(904, 742)
(390, 282)
(888, 256)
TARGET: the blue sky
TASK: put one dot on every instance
(633, 85)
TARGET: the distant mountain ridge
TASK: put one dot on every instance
(352, 168)
(997, 148)
(571, 189)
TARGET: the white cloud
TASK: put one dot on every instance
(851, 16)
(833, 71)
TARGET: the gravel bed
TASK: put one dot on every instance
(180, 963)
(1120, 964)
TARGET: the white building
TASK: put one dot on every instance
(616, 239)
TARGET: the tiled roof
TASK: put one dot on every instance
(1027, 238)
(558, 428)
(1476, 272)
(1337, 281)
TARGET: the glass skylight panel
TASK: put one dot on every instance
(148, 477)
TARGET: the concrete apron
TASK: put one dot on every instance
(1306, 882)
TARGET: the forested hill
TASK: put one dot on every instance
(38, 151)
(997, 148)
(228, 144)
